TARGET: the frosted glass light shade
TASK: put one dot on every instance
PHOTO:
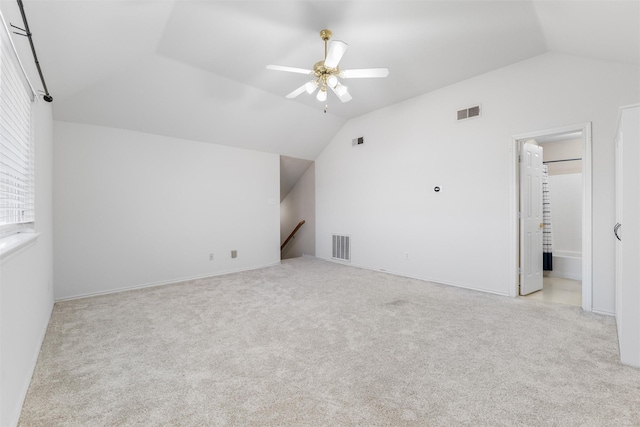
(332, 81)
(322, 95)
(311, 86)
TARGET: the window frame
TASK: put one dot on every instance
(15, 85)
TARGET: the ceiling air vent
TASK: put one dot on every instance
(468, 113)
(357, 141)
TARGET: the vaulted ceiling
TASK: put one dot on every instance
(196, 69)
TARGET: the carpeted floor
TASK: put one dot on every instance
(311, 343)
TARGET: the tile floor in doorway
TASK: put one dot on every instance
(559, 290)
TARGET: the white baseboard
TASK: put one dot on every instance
(164, 282)
(566, 267)
(603, 312)
(424, 279)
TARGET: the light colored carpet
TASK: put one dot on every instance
(316, 343)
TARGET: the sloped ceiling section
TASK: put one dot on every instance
(425, 44)
(196, 69)
(605, 30)
(167, 97)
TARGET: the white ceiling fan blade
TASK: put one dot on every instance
(342, 93)
(303, 88)
(364, 73)
(289, 69)
(336, 51)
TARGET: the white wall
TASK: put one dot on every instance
(563, 150)
(134, 209)
(298, 205)
(381, 193)
(565, 195)
(26, 285)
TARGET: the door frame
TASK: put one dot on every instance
(587, 220)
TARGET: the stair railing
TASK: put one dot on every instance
(295, 230)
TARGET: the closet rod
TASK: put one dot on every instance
(47, 97)
(565, 160)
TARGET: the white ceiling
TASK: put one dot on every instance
(196, 69)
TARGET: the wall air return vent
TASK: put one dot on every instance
(468, 113)
(341, 247)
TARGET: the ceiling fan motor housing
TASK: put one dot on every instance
(319, 69)
(323, 73)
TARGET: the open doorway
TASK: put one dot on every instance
(297, 207)
(552, 215)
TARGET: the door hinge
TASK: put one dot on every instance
(519, 158)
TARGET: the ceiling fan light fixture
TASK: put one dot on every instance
(332, 81)
(311, 86)
(326, 74)
(322, 94)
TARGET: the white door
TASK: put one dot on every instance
(628, 235)
(531, 222)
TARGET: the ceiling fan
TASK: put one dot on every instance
(326, 73)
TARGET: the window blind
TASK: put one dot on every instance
(17, 205)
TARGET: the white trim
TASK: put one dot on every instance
(424, 279)
(620, 110)
(15, 243)
(567, 254)
(604, 313)
(164, 282)
(514, 220)
(7, 230)
(587, 217)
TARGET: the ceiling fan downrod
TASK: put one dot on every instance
(322, 72)
(325, 35)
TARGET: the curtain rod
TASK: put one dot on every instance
(565, 160)
(47, 97)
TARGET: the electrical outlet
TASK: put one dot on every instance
(234, 253)
(406, 256)
(210, 257)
